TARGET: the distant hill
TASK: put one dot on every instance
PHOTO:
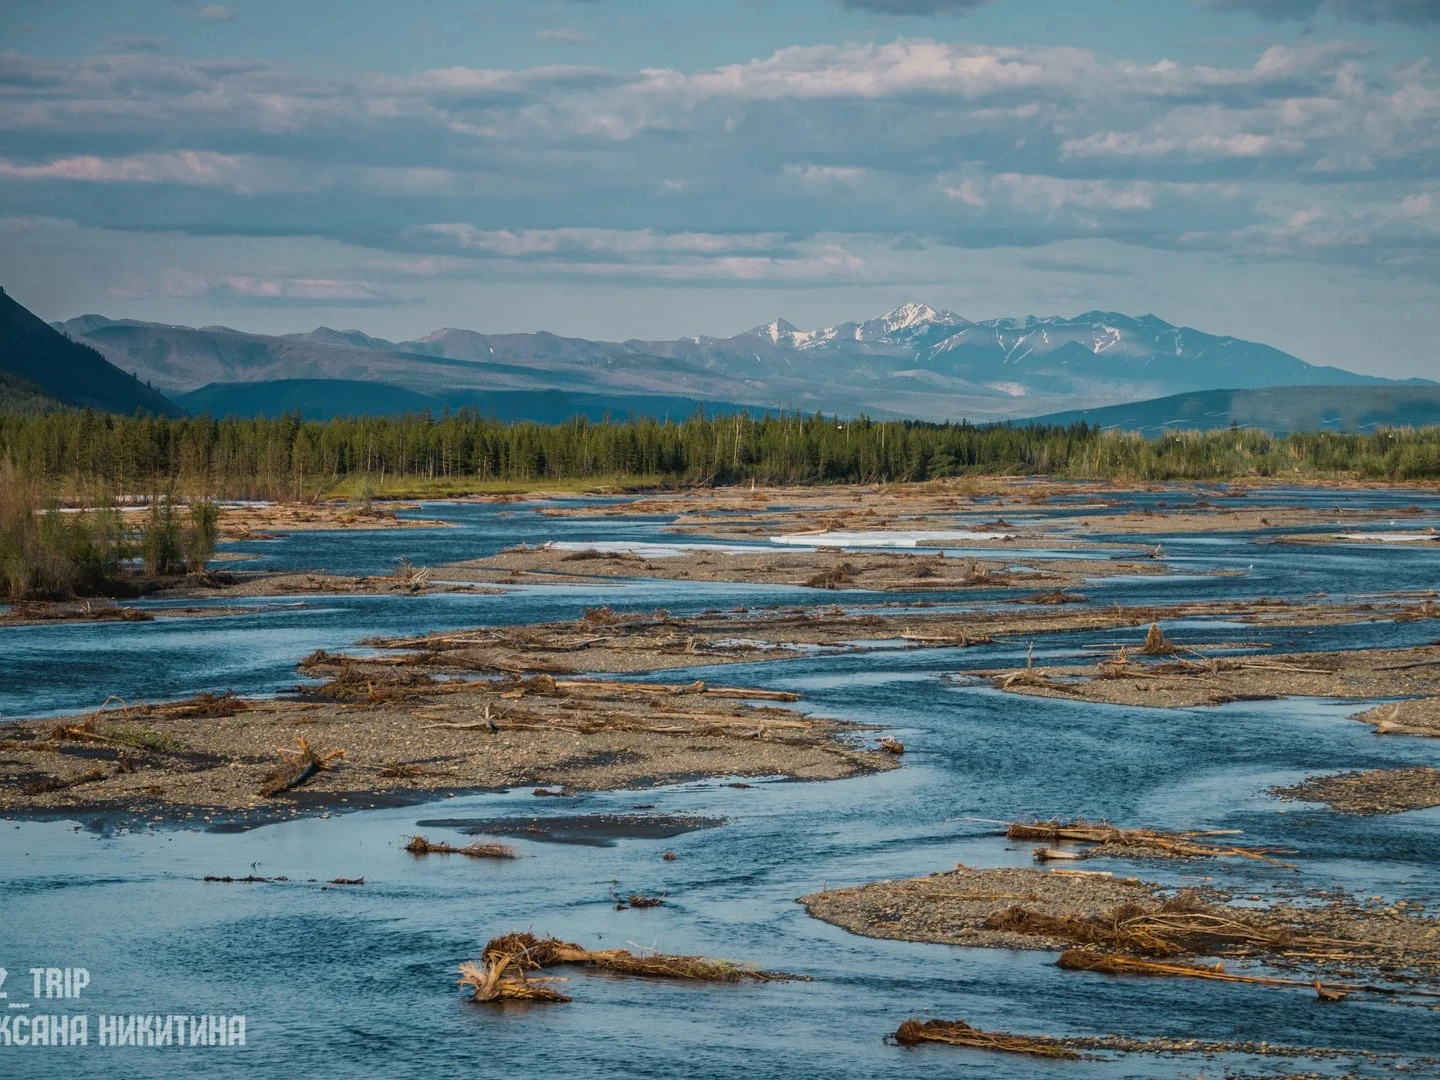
(915, 361)
(68, 371)
(321, 399)
(1280, 410)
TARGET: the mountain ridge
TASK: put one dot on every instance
(1280, 410)
(916, 360)
(321, 399)
(43, 361)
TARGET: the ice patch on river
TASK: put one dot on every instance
(896, 538)
(1388, 538)
(649, 550)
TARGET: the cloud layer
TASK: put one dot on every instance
(1415, 12)
(749, 172)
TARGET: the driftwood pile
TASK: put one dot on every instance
(959, 1033)
(500, 973)
(1121, 964)
(1102, 834)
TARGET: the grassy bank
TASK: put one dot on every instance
(360, 486)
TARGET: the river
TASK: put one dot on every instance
(359, 981)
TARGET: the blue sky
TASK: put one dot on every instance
(623, 168)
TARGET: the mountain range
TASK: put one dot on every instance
(915, 361)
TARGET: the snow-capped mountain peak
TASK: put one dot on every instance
(909, 322)
(913, 314)
(906, 323)
(773, 331)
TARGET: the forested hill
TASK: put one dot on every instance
(1278, 410)
(67, 371)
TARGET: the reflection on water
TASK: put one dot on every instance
(358, 981)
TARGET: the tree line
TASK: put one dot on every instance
(288, 457)
(51, 552)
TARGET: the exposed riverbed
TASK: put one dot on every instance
(360, 980)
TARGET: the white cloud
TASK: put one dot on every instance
(641, 254)
(268, 288)
(521, 243)
(1122, 144)
(191, 168)
(825, 178)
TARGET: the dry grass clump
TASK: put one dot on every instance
(1128, 927)
(959, 1033)
(1155, 643)
(418, 845)
(205, 706)
(1186, 925)
(352, 684)
(529, 952)
(298, 767)
(517, 686)
(636, 900)
(408, 576)
(836, 576)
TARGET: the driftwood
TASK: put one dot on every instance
(1407, 667)
(963, 641)
(697, 687)
(1120, 964)
(1182, 844)
(299, 766)
(418, 845)
(530, 953)
(959, 1033)
(496, 982)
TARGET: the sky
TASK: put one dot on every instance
(658, 168)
